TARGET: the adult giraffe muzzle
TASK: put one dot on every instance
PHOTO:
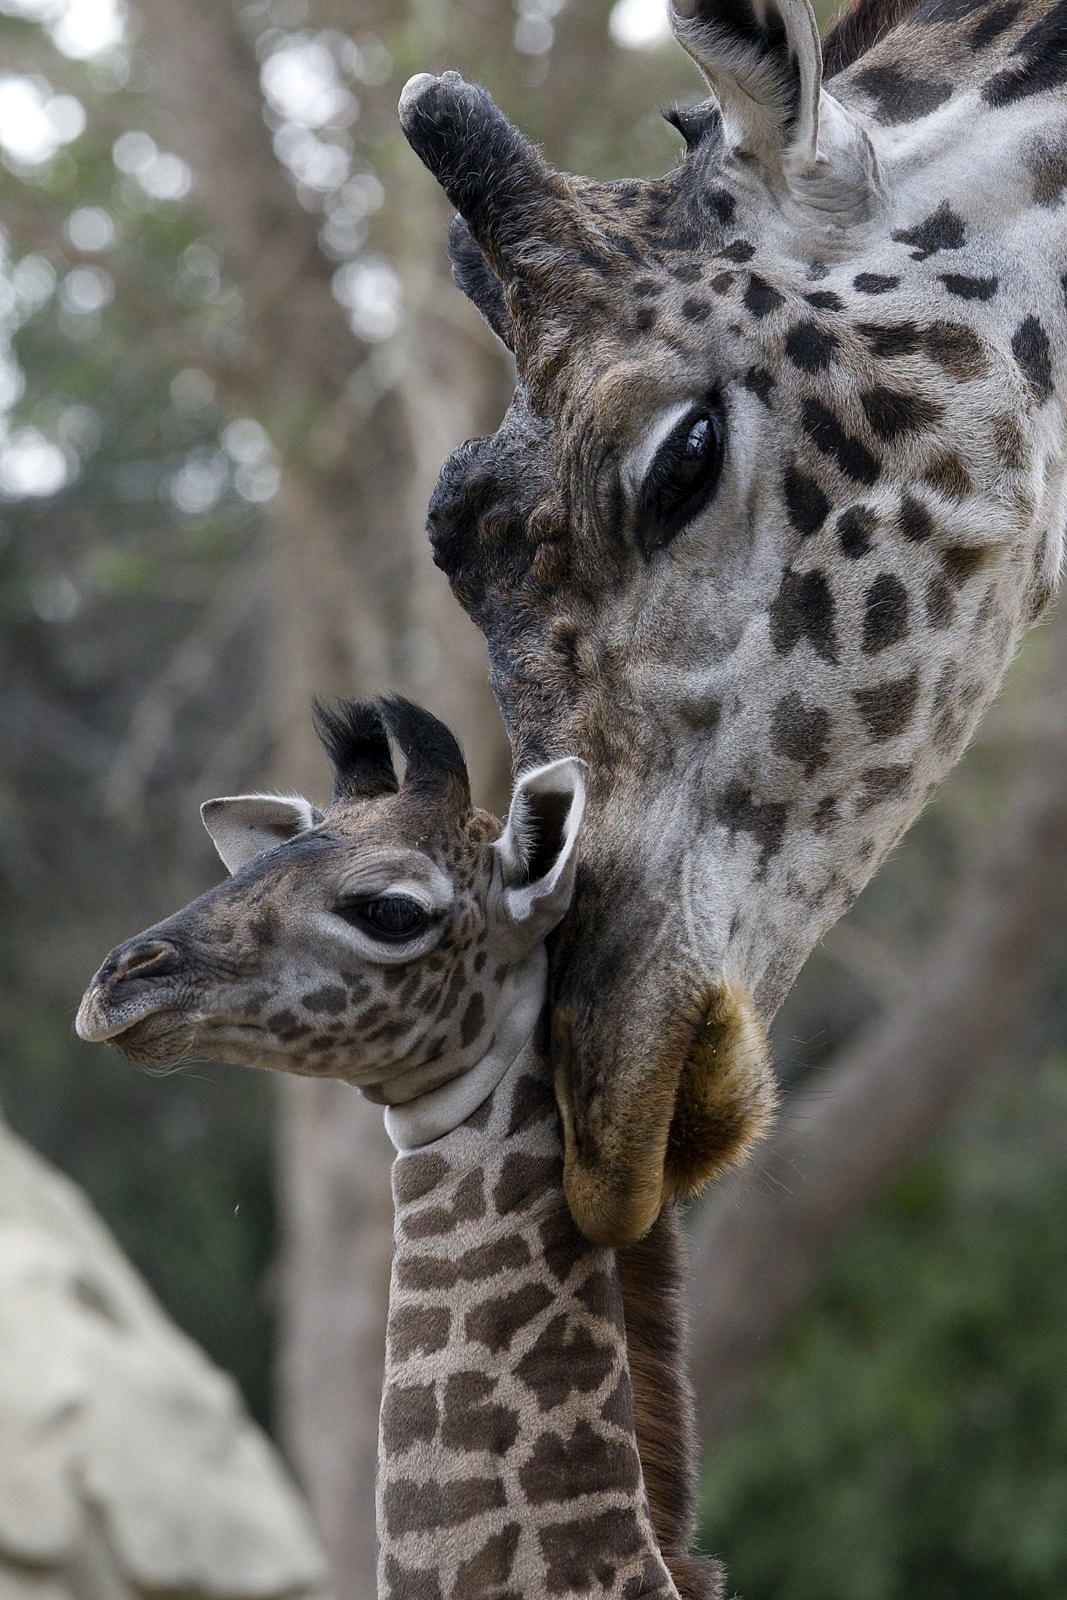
(780, 489)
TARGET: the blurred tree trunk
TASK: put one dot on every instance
(355, 608)
(762, 1238)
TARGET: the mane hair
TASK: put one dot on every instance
(353, 735)
(858, 27)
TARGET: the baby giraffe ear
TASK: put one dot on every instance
(246, 826)
(538, 849)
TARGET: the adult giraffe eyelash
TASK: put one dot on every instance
(682, 477)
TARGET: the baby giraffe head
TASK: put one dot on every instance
(383, 941)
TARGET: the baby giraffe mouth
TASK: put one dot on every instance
(153, 1033)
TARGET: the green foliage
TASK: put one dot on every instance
(911, 1435)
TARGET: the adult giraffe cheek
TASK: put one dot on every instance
(661, 1088)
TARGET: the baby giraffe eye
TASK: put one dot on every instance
(682, 477)
(392, 918)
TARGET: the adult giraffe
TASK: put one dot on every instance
(780, 489)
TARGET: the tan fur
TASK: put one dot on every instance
(708, 1099)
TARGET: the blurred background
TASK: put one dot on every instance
(231, 362)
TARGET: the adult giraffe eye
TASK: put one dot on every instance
(684, 474)
(392, 918)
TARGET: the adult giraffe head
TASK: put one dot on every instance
(780, 488)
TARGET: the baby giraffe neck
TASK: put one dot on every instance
(507, 1455)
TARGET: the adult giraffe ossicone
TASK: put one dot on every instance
(781, 487)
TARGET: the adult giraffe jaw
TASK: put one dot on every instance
(781, 487)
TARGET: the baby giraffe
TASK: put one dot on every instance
(396, 941)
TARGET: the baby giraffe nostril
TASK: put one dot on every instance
(147, 958)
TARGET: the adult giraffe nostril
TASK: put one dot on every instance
(144, 958)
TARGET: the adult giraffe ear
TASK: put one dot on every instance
(244, 827)
(537, 852)
(763, 62)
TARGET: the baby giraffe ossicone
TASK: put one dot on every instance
(396, 941)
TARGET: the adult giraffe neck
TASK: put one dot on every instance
(507, 1453)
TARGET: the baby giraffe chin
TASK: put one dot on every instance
(395, 941)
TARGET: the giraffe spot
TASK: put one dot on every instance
(531, 1103)
(415, 1176)
(827, 433)
(738, 250)
(483, 1576)
(686, 274)
(913, 520)
(417, 1329)
(646, 288)
(331, 999)
(1044, 65)
(473, 1020)
(887, 708)
(881, 783)
(411, 1583)
(521, 1178)
(479, 1117)
(409, 1416)
(874, 282)
(617, 1409)
(968, 288)
(939, 601)
(901, 96)
(583, 1554)
(468, 1205)
(471, 1420)
(595, 1292)
(487, 1260)
(565, 1359)
(885, 613)
(943, 229)
(413, 1506)
(825, 814)
(1031, 349)
(961, 561)
(761, 298)
(1046, 162)
(824, 299)
(855, 530)
(644, 318)
(804, 609)
(993, 24)
(599, 1464)
(948, 475)
(810, 347)
(722, 282)
(891, 413)
(425, 1274)
(723, 205)
(561, 1243)
(495, 1322)
(456, 987)
(957, 349)
(1009, 442)
(760, 382)
(891, 338)
(695, 310)
(805, 502)
(737, 811)
(801, 734)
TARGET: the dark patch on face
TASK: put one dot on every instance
(760, 382)
(891, 413)
(583, 1554)
(1031, 349)
(695, 310)
(737, 811)
(825, 814)
(331, 999)
(472, 1420)
(994, 23)
(644, 318)
(855, 530)
(962, 561)
(943, 229)
(810, 347)
(824, 299)
(473, 1020)
(418, 1329)
(761, 298)
(740, 250)
(881, 783)
(722, 282)
(495, 1322)
(900, 96)
(887, 708)
(885, 613)
(521, 1178)
(1046, 162)
(947, 474)
(587, 1457)
(829, 435)
(968, 288)
(409, 1416)
(1042, 62)
(874, 282)
(410, 1506)
(805, 502)
(804, 609)
(914, 521)
(456, 987)
(686, 274)
(801, 734)
(1009, 441)
(939, 601)
(565, 1359)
